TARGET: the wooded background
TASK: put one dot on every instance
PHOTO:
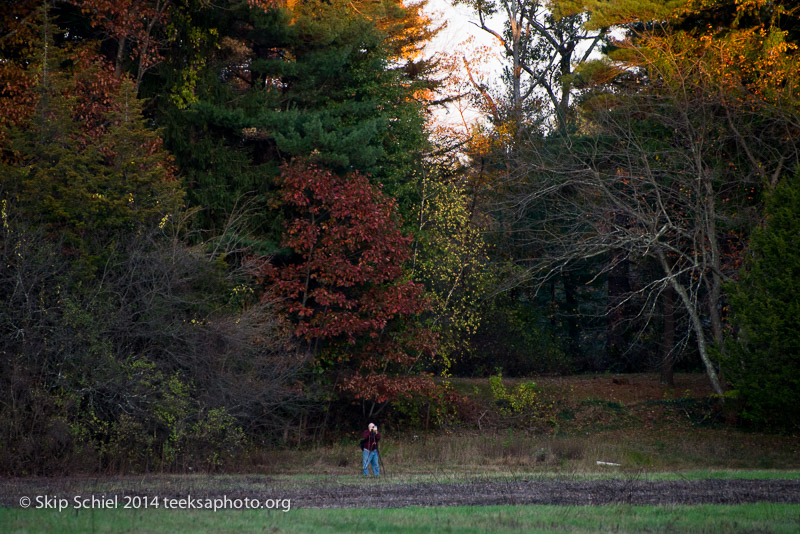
(234, 224)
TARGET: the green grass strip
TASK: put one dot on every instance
(460, 477)
(760, 517)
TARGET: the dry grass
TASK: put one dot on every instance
(514, 451)
(631, 420)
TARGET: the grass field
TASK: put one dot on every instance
(512, 451)
(761, 517)
(653, 432)
(632, 420)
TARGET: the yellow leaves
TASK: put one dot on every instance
(242, 289)
(424, 95)
(748, 55)
(605, 14)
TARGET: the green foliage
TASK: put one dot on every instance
(311, 82)
(605, 14)
(763, 362)
(130, 446)
(171, 434)
(88, 193)
(123, 345)
(145, 368)
(451, 261)
(149, 429)
(516, 335)
(440, 408)
(214, 440)
(524, 400)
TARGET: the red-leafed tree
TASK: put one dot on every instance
(41, 65)
(343, 287)
(133, 25)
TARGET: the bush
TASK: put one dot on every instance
(128, 372)
(762, 362)
(441, 408)
(214, 440)
(524, 400)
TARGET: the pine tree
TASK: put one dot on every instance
(315, 81)
(85, 181)
(763, 362)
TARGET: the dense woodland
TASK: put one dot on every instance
(230, 225)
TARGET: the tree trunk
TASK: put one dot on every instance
(715, 292)
(571, 316)
(668, 342)
(697, 325)
(118, 67)
(619, 287)
(516, 46)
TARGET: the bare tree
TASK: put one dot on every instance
(543, 48)
(669, 173)
(163, 328)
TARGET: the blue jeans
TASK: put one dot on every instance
(371, 458)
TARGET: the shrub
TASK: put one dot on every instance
(763, 362)
(524, 400)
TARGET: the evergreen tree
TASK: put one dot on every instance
(88, 194)
(763, 362)
(313, 82)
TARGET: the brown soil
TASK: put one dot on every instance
(373, 494)
(624, 389)
(553, 492)
(594, 402)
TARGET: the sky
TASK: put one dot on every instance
(458, 25)
(462, 38)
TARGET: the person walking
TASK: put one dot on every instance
(369, 449)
